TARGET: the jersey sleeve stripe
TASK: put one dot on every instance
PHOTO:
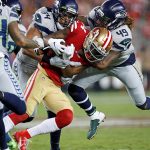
(43, 29)
(108, 39)
(13, 15)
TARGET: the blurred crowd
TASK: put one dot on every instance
(137, 9)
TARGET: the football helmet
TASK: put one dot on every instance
(65, 12)
(110, 14)
(97, 44)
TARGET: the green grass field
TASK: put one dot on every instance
(115, 105)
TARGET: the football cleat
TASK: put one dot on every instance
(21, 140)
(12, 144)
(96, 119)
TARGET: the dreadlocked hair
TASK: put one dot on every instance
(129, 22)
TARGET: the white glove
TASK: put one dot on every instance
(61, 63)
(39, 41)
(68, 52)
(56, 45)
(58, 62)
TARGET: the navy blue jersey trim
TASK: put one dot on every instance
(43, 29)
(130, 61)
(14, 15)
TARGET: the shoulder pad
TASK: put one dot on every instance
(43, 20)
(41, 14)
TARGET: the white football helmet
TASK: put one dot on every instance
(97, 44)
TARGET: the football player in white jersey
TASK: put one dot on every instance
(10, 93)
(46, 21)
(120, 62)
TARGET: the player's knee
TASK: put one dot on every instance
(64, 118)
(21, 109)
(146, 105)
(74, 90)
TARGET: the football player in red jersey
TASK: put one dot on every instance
(44, 85)
(45, 21)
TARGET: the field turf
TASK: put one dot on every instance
(115, 104)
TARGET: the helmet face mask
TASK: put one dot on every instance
(66, 18)
(97, 44)
(93, 54)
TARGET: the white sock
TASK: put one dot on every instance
(47, 126)
(8, 123)
(98, 115)
(7, 149)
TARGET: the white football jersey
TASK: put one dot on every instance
(122, 41)
(43, 19)
(7, 15)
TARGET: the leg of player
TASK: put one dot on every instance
(54, 136)
(79, 95)
(146, 105)
(11, 101)
(62, 119)
(133, 82)
(10, 141)
(3, 144)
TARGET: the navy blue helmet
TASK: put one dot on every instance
(17, 7)
(66, 8)
(111, 13)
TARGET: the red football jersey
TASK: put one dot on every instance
(76, 36)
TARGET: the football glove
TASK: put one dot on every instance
(68, 52)
(61, 63)
(57, 45)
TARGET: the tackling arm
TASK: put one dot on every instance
(32, 32)
(19, 38)
(70, 71)
(61, 34)
(104, 63)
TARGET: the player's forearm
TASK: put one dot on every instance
(19, 38)
(106, 62)
(69, 71)
(62, 34)
(32, 54)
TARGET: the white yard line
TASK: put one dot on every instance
(84, 122)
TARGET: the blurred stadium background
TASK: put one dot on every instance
(126, 127)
